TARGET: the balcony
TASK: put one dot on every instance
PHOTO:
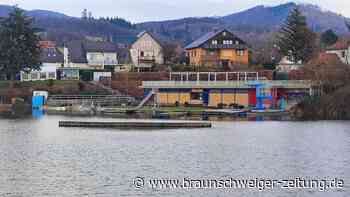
(146, 61)
(105, 62)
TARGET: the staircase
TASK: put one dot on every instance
(109, 89)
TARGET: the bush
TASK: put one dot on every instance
(234, 105)
(222, 105)
(50, 83)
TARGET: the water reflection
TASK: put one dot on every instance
(40, 159)
(38, 113)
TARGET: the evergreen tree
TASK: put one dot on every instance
(295, 39)
(328, 38)
(19, 49)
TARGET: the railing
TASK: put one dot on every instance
(226, 84)
(103, 63)
(103, 100)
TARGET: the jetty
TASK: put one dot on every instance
(136, 125)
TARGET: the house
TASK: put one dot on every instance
(146, 51)
(342, 50)
(287, 64)
(91, 55)
(89, 60)
(101, 55)
(51, 60)
(219, 47)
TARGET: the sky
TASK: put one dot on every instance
(155, 10)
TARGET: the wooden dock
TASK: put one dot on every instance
(136, 125)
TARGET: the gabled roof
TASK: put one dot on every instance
(161, 42)
(51, 55)
(78, 49)
(202, 40)
(99, 47)
(340, 45)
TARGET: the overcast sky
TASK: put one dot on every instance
(152, 10)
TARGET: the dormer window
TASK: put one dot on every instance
(227, 42)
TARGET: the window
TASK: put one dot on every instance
(240, 52)
(34, 75)
(224, 33)
(214, 42)
(343, 54)
(52, 75)
(142, 54)
(237, 42)
(25, 76)
(43, 75)
(227, 42)
(196, 96)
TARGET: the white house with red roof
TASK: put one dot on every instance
(342, 50)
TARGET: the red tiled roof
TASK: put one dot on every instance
(340, 45)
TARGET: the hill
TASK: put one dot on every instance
(255, 25)
(60, 27)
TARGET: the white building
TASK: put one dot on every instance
(146, 51)
(287, 65)
(342, 50)
(51, 60)
(91, 55)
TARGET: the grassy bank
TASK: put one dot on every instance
(25, 90)
(334, 106)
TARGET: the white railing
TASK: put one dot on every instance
(225, 84)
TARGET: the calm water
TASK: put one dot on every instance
(39, 159)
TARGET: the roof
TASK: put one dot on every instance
(51, 55)
(202, 40)
(99, 47)
(78, 49)
(340, 45)
(157, 39)
(326, 59)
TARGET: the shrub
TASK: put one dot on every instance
(222, 105)
(50, 83)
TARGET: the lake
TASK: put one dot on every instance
(37, 158)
